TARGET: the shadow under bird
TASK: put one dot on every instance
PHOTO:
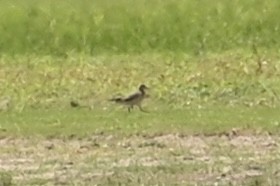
(133, 99)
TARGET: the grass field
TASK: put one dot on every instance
(205, 127)
(94, 27)
(212, 67)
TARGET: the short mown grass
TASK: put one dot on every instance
(83, 123)
(187, 94)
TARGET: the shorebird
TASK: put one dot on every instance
(133, 99)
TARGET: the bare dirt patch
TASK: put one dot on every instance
(166, 159)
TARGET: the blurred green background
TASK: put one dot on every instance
(104, 26)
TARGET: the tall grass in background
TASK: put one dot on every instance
(137, 26)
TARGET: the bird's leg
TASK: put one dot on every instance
(130, 107)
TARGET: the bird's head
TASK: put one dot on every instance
(143, 87)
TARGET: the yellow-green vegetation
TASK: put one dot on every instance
(5, 179)
(206, 94)
(103, 26)
(212, 68)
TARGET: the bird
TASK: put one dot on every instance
(133, 99)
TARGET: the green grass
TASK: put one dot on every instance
(5, 179)
(97, 27)
(187, 94)
(84, 122)
(177, 81)
(213, 71)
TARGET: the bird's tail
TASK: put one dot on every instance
(117, 100)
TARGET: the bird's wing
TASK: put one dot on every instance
(132, 97)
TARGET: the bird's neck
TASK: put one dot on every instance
(142, 91)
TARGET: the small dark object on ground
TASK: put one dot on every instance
(74, 104)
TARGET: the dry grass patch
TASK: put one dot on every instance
(166, 159)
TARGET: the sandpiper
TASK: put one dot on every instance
(133, 99)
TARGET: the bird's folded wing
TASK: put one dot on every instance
(132, 97)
